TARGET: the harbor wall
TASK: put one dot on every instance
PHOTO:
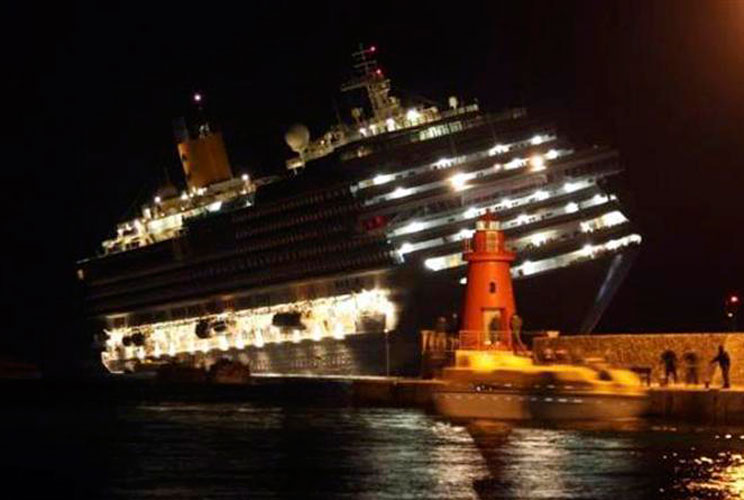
(704, 406)
(643, 350)
(679, 404)
(396, 392)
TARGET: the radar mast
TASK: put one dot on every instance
(371, 77)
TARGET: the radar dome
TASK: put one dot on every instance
(297, 137)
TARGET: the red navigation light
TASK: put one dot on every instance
(378, 72)
(372, 48)
(197, 97)
(734, 299)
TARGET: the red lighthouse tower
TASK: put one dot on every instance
(489, 297)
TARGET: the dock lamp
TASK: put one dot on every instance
(731, 309)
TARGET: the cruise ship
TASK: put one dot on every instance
(335, 266)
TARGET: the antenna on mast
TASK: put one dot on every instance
(371, 77)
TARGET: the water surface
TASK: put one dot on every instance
(244, 450)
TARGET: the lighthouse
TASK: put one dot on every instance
(489, 305)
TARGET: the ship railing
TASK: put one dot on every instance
(483, 339)
(441, 342)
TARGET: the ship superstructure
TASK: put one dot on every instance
(335, 268)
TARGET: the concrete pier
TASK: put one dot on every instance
(699, 405)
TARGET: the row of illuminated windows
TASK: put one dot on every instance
(441, 131)
(529, 268)
(505, 203)
(537, 239)
(445, 163)
(547, 213)
(459, 181)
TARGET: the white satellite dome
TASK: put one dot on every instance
(297, 137)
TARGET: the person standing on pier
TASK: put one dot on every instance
(724, 361)
(691, 368)
(669, 359)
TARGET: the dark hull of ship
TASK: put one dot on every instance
(564, 299)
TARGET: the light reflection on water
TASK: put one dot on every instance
(240, 450)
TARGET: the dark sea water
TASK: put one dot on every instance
(96, 447)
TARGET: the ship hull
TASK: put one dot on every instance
(358, 354)
(558, 300)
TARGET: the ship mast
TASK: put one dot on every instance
(372, 78)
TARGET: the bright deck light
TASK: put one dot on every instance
(413, 115)
(572, 207)
(528, 267)
(400, 192)
(317, 333)
(382, 179)
(405, 248)
(522, 219)
(599, 198)
(413, 227)
(470, 213)
(459, 181)
(465, 234)
(443, 162)
(537, 140)
(432, 263)
(498, 149)
(538, 163)
(541, 195)
(613, 218)
(539, 239)
(515, 163)
(338, 331)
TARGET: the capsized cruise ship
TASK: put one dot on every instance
(334, 267)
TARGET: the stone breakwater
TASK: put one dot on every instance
(705, 406)
(643, 350)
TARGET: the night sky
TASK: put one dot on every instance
(93, 91)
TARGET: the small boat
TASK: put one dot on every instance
(504, 386)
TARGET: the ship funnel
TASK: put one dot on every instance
(202, 153)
